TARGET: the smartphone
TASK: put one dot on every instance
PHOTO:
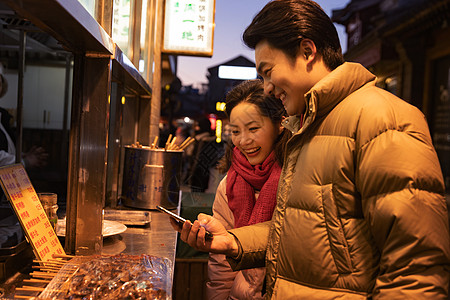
(180, 220)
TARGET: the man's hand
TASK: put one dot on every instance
(36, 157)
(194, 234)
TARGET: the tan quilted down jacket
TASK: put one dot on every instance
(360, 211)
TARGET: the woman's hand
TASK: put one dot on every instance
(194, 235)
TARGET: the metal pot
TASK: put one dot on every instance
(151, 177)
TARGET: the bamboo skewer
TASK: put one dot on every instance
(48, 263)
(43, 275)
(30, 289)
(155, 143)
(184, 142)
(46, 269)
(34, 280)
(169, 145)
(172, 143)
(62, 255)
(168, 142)
(187, 144)
(57, 262)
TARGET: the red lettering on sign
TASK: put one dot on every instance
(44, 252)
(24, 215)
(39, 243)
(34, 234)
(20, 205)
(32, 222)
(17, 195)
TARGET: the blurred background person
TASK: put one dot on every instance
(205, 155)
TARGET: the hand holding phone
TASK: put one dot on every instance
(180, 220)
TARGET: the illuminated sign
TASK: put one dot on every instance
(219, 131)
(17, 186)
(236, 72)
(220, 106)
(189, 27)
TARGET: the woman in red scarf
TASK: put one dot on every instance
(247, 195)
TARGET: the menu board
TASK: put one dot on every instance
(189, 27)
(28, 208)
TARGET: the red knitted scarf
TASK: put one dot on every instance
(242, 181)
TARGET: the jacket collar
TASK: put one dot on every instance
(328, 92)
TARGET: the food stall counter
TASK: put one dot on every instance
(158, 239)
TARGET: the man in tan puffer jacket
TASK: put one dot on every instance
(360, 208)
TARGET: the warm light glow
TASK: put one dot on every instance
(220, 106)
(123, 99)
(235, 72)
(212, 118)
(218, 131)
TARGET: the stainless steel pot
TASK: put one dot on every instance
(151, 177)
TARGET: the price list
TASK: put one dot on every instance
(35, 223)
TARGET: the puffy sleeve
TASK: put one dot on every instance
(220, 274)
(252, 242)
(400, 181)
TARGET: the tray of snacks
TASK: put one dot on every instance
(112, 277)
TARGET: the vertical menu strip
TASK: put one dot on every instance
(35, 223)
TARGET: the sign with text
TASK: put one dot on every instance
(189, 27)
(21, 194)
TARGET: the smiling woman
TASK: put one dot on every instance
(252, 133)
(247, 195)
